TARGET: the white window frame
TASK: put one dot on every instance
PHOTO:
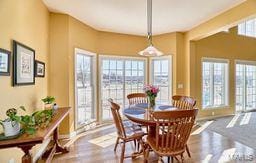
(101, 58)
(245, 32)
(93, 77)
(216, 60)
(151, 70)
(243, 62)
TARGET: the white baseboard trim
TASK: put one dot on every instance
(41, 150)
(67, 136)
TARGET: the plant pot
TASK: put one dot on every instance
(11, 128)
(55, 106)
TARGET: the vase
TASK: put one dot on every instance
(11, 128)
(152, 101)
(55, 106)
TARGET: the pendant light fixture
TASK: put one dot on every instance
(150, 51)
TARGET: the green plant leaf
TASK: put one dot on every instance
(30, 130)
(48, 99)
(23, 108)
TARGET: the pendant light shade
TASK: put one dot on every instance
(150, 51)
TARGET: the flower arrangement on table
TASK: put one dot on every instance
(151, 91)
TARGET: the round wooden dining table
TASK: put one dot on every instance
(142, 114)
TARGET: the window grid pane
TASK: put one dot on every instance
(84, 90)
(161, 77)
(120, 77)
(214, 84)
(247, 28)
(240, 87)
(245, 87)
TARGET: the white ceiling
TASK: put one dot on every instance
(129, 16)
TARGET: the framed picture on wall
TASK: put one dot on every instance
(23, 64)
(5, 60)
(39, 69)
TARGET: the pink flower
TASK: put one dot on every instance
(151, 90)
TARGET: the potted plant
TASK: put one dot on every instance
(48, 101)
(39, 119)
(29, 123)
(151, 91)
(11, 124)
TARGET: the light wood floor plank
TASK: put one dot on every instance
(205, 147)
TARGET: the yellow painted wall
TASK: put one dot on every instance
(59, 62)
(222, 21)
(227, 46)
(20, 21)
(120, 44)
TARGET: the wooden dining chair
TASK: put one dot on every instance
(183, 102)
(125, 134)
(127, 123)
(137, 98)
(173, 129)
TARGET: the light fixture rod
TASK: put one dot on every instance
(150, 51)
(149, 15)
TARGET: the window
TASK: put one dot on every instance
(247, 28)
(245, 85)
(84, 81)
(161, 77)
(215, 83)
(120, 77)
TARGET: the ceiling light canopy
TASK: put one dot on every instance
(150, 51)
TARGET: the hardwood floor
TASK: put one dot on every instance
(206, 146)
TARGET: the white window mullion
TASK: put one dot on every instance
(244, 87)
(124, 82)
(212, 85)
(223, 100)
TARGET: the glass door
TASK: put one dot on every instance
(85, 107)
(245, 86)
(112, 85)
(119, 77)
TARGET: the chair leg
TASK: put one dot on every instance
(160, 159)
(146, 154)
(122, 154)
(168, 159)
(188, 152)
(138, 145)
(135, 144)
(182, 158)
(141, 143)
(117, 142)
